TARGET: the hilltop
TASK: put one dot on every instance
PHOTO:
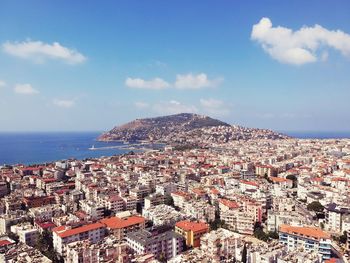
(185, 128)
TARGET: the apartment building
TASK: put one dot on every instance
(107, 250)
(163, 215)
(239, 221)
(26, 233)
(64, 235)
(119, 227)
(277, 218)
(309, 238)
(113, 203)
(140, 192)
(154, 199)
(220, 244)
(93, 209)
(334, 218)
(180, 198)
(168, 244)
(191, 231)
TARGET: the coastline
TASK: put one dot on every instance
(44, 147)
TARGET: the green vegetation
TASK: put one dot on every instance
(294, 179)
(139, 208)
(162, 257)
(260, 234)
(217, 223)
(13, 236)
(45, 246)
(169, 200)
(244, 254)
(341, 239)
(273, 235)
(315, 206)
(185, 147)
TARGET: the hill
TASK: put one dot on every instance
(185, 128)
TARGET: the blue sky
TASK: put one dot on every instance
(88, 65)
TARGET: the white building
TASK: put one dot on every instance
(92, 209)
(27, 233)
(64, 235)
(311, 239)
(169, 244)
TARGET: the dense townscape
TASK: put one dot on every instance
(174, 131)
(186, 127)
(258, 201)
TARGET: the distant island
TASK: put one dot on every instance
(185, 128)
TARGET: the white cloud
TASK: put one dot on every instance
(141, 105)
(173, 107)
(2, 84)
(64, 103)
(191, 81)
(137, 83)
(40, 52)
(187, 81)
(25, 89)
(301, 46)
(286, 115)
(158, 64)
(211, 103)
(214, 107)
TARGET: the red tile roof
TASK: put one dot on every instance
(5, 242)
(45, 225)
(279, 180)
(62, 232)
(192, 226)
(230, 204)
(308, 232)
(183, 194)
(249, 183)
(118, 223)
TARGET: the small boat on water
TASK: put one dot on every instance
(92, 147)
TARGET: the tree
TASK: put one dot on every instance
(139, 208)
(169, 200)
(293, 178)
(162, 257)
(266, 176)
(244, 254)
(217, 223)
(45, 245)
(315, 206)
(259, 232)
(13, 236)
(107, 212)
(273, 235)
(343, 238)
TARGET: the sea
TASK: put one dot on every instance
(42, 147)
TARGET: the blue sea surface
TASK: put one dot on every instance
(41, 147)
(318, 134)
